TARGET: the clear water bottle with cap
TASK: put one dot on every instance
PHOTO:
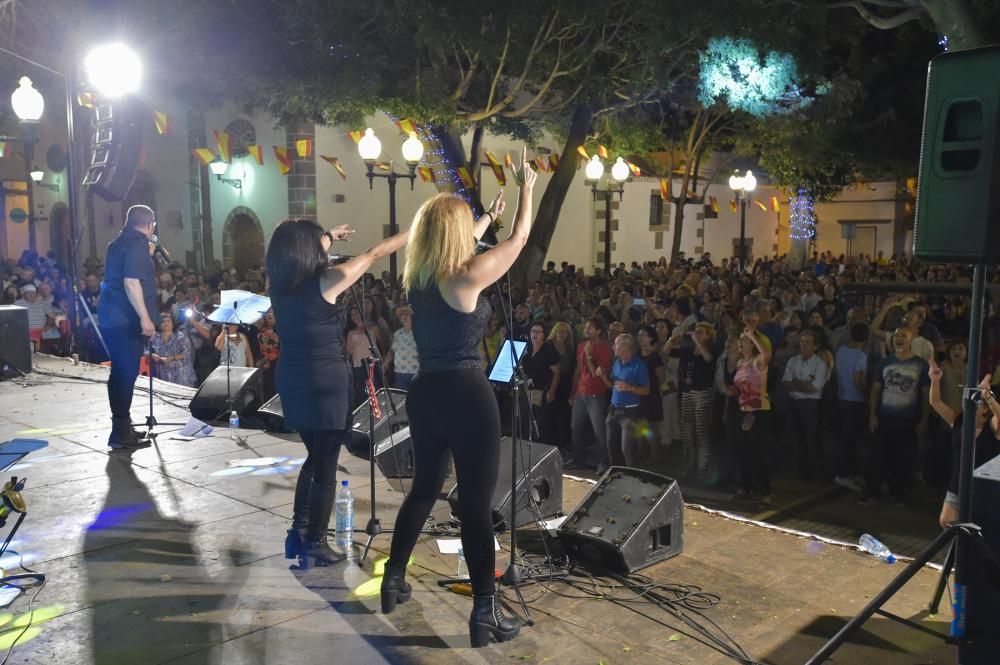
(234, 425)
(345, 517)
(875, 547)
(463, 569)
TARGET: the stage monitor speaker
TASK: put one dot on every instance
(543, 485)
(15, 344)
(358, 443)
(394, 455)
(211, 402)
(629, 520)
(958, 189)
(983, 578)
(273, 415)
(116, 148)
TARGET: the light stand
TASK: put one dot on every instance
(961, 535)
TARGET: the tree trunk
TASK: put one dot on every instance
(954, 18)
(680, 202)
(532, 259)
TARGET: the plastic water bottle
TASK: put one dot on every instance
(345, 517)
(874, 547)
(463, 569)
(234, 425)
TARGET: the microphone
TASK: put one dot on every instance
(483, 246)
(159, 251)
(336, 259)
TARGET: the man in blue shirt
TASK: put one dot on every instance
(629, 382)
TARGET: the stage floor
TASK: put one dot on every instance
(174, 555)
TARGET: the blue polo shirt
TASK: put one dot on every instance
(634, 373)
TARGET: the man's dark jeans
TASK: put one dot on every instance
(126, 346)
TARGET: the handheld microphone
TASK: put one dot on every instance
(159, 251)
(483, 246)
(336, 259)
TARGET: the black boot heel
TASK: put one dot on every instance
(479, 634)
(488, 619)
(394, 588)
(318, 553)
(294, 543)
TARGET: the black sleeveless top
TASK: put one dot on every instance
(446, 338)
(311, 376)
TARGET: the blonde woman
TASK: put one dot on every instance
(561, 337)
(444, 278)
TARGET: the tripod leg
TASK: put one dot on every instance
(949, 563)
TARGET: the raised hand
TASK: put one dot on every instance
(935, 373)
(497, 207)
(343, 232)
(526, 175)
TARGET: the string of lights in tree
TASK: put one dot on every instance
(802, 220)
(445, 174)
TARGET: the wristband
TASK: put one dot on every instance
(329, 235)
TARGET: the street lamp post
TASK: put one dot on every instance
(28, 105)
(742, 185)
(619, 174)
(369, 147)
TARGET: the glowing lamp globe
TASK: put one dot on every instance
(749, 182)
(36, 175)
(595, 169)
(413, 149)
(620, 170)
(113, 69)
(736, 181)
(369, 147)
(218, 167)
(27, 102)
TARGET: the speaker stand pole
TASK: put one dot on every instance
(150, 419)
(960, 535)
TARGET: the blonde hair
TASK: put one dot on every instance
(441, 241)
(560, 325)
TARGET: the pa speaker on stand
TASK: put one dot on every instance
(116, 148)
(211, 401)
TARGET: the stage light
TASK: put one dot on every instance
(113, 69)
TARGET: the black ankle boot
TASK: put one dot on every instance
(487, 618)
(316, 550)
(319, 553)
(295, 542)
(123, 437)
(394, 587)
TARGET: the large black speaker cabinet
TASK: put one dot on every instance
(116, 148)
(245, 385)
(394, 455)
(273, 415)
(958, 191)
(359, 443)
(629, 520)
(983, 578)
(543, 484)
(15, 345)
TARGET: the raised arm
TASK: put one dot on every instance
(339, 278)
(490, 216)
(934, 396)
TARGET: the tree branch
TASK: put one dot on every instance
(880, 22)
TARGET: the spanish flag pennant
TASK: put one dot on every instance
(583, 152)
(162, 122)
(463, 174)
(284, 159)
(304, 148)
(498, 172)
(775, 206)
(664, 189)
(541, 164)
(222, 139)
(760, 204)
(257, 152)
(203, 155)
(732, 204)
(491, 158)
(86, 100)
(406, 126)
(508, 160)
(553, 162)
(333, 161)
(426, 173)
(3, 147)
(602, 152)
(383, 166)
(636, 171)
(355, 136)
(714, 203)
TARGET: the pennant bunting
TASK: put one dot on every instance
(304, 148)
(714, 203)
(86, 100)
(636, 171)
(406, 126)
(222, 139)
(553, 162)
(491, 158)
(426, 173)
(775, 206)
(664, 189)
(383, 166)
(732, 204)
(203, 155)
(162, 122)
(284, 159)
(463, 174)
(356, 136)
(509, 161)
(760, 204)
(333, 161)
(3, 147)
(602, 152)
(541, 164)
(257, 152)
(583, 152)
(498, 172)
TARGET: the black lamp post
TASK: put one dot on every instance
(742, 185)
(616, 183)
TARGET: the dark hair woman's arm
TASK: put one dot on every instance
(339, 278)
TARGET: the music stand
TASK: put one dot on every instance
(237, 308)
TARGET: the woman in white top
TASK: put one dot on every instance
(235, 352)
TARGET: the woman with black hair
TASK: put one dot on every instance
(312, 376)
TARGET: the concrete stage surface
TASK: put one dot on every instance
(174, 555)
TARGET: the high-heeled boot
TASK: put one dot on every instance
(394, 587)
(487, 618)
(296, 539)
(317, 551)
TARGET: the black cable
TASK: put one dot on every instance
(41, 580)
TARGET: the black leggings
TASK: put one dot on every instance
(454, 410)
(323, 448)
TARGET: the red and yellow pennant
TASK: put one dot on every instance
(760, 204)
(465, 177)
(203, 155)
(509, 161)
(775, 206)
(356, 136)
(732, 205)
(383, 166)
(602, 152)
(161, 121)
(583, 152)
(426, 173)
(333, 161)
(284, 159)
(553, 162)
(406, 126)
(496, 168)
(3, 147)
(636, 171)
(257, 152)
(713, 203)
(86, 100)
(304, 148)
(664, 189)
(541, 164)
(222, 139)
(491, 158)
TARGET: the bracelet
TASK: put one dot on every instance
(493, 217)
(329, 235)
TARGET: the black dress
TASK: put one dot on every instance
(312, 376)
